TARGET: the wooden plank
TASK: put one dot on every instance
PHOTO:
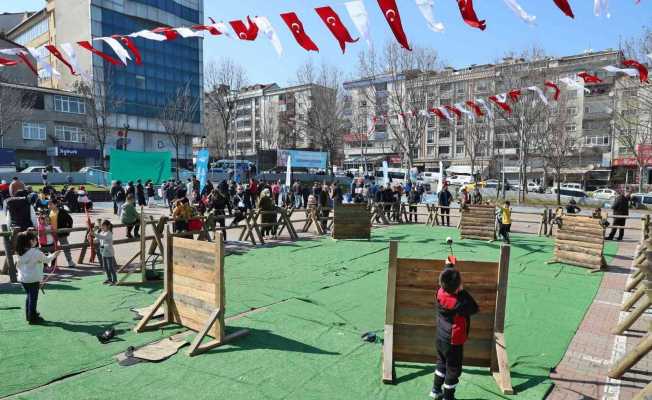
(390, 310)
(502, 375)
(630, 359)
(388, 354)
(142, 324)
(214, 318)
(198, 284)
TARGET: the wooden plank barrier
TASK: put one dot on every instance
(252, 224)
(194, 293)
(411, 317)
(478, 222)
(579, 241)
(352, 221)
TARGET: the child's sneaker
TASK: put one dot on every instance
(437, 395)
(106, 282)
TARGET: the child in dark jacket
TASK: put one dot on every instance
(455, 307)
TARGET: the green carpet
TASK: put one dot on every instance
(320, 297)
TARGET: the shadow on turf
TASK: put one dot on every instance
(9, 288)
(92, 330)
(263, 339)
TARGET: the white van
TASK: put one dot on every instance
(430, 177)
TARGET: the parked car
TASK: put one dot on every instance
(570, 192)
(605, 194)
(494, 184)
(642, 199)
(39, 169)
(460, 180)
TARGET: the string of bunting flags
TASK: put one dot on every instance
(125, 50)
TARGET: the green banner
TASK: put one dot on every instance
(132, 165)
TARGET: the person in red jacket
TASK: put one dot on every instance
(454, 309)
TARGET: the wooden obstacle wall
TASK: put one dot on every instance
(478, 222)
(580, 241)
(352, 221)
(194, 294)
(411, 317)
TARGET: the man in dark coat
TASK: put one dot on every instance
(140, 193)
(620, 207)
(444, 199)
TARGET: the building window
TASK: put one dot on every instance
(570, 128)
(140, 82)
(430, 151)
(34, 131)
(431, 137)
(32, 33)
(596, 140)
(68, 104)
(70, 134)
(573, 110)
(444, 134)
(443, 150)
(459, 149)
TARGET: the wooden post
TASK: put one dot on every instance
(9, 241)
(499, 360)
(143, 243)
(631, 358)
(168, 260)
(390, 312)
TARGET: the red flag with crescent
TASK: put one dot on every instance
(393, 17)
(565, 7)
(170, 34)
(503, 105)
(469, 16)
(588, 78)
(454, 110)
(514, 94)
(438, 113)
(131, 45)
(475, 107)
(292, 21)
(87, 45)
(55, 52)
(243, 31)
(335, 25)
(210, 28)
(642, 69)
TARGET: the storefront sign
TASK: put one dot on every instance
(71, 152)
(631, 162)
(302, 159)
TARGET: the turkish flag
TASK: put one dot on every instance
(55, 52)
(565, 7)
(469, 15)
(438, 113)
(244, 32)
(504, 106)
(7, 62)
(393, 17)
(292, 21)
(210, 28)
(170, 34)
(454, 110)
(642, 70)
(87, 45)
(131, 45)
(475, 107)
(554, 87)
(588, 78)
(335, 25)
(514, 94)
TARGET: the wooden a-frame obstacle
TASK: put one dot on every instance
(351, 221)
(411, 316)
(478, 222)
(579, 241)
(194, 292)
(252, 225)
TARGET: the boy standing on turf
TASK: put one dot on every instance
(505, 220)
(455, 307)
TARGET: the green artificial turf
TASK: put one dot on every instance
(319, 297)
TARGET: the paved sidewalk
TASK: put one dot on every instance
(582, 374)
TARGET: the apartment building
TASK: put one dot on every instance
(590, 115)
(141, 91)
(269, 117)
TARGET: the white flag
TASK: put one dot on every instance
(117, 48)
(649, 56)
(288, 172)
(188, 33)
(486, 106)
(599, 6)
(540, 93)
(360, 17)
(445, 112)
(520, 12)
(42, 58)
(427, 9)
(460, 107)
(575, 84)
(221, 26)
(502, 97)
(266, 27)
(71, 56)
(629, 71)
(145, 34)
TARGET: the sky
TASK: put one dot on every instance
(458, 46)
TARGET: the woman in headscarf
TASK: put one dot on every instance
(266, 204)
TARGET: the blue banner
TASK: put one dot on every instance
(302, 159)
(201, 167)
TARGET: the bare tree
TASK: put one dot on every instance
(475, 140)
(399, 86)
(224, 81)
(176, 118)
(325, 106)
(214, 133)
(269, 126)
(101, 106)
(555, 143)
(15, 106)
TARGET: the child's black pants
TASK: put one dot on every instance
(449, 368)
